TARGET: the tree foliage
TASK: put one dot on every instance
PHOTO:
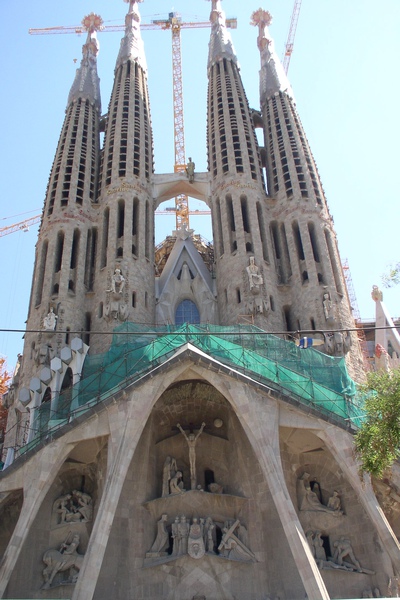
(392, 277)
(378, 441)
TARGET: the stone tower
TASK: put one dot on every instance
(61, 278)
(237, 189)
(311, 290)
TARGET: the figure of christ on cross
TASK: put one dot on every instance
(191, 442)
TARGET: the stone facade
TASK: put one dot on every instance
(191, 478)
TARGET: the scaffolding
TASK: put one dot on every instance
(305, 377)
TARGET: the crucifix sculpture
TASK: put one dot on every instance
(191, 440)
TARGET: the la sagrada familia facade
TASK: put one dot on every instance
(170, 436)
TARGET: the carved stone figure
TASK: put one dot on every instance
(61, 507)
(255, 279)
(50, 320)
(169, 471)
(376, 294)
(176, 484)
(190, 170)
(183, 534)
(117, 282)
(231, 546)
(329, 308)
(175, 536)
(161, 542)
(320, 553)
(210, 535)
(191, 440)
(85, 508)
(215, 488)
(73, 508)
(310, 540)
(64, 559)
(343, 549)
(196, 547)
(334, 502)
(308, 499)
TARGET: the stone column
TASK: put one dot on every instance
(341, 445)
(39, 475)
(127, 427)
(260, 419)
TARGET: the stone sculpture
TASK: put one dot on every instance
(73, 507)
(309, 501)
(183, 534)
(59, 561)
(210, 535)
(232, 547)
(255, 278)
(199, 537)
(161, 542)
(176, 484)
(343, 549)
(334, 502)
(190, 170)
(175, 536)
(50, 320)
(329, 308)
(196, 548)
(169, 471)
(117, 282)
(191, 440)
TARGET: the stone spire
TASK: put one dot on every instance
(272, 75)
(221, 45)
(132, 47)
(87, 83)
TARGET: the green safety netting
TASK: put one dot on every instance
(306, 376)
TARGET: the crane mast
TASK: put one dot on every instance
(291, 35)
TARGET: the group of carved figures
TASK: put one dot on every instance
(74, 507)
(63, 560)
(310, 500)
(172, 482)
(199, 538)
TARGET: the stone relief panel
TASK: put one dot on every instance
(116, 305)
(63, 563)
(73, 507)
(199, 536)
(309, 498)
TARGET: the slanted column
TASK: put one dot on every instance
(38, 479)
(341, 445)
(121, 456)
(261, 423)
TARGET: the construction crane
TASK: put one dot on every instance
(21, 226)
(175, 24)
(291, 35)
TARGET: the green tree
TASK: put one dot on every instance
(378, 440)
(392, 277)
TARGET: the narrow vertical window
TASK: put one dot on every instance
(42, 269)
(104, 247)
(231, 222)
(120, 228)
(147, 230)
(219, 236)
(135, 228)
(261, 226)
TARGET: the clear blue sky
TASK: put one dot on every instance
(344, 72)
